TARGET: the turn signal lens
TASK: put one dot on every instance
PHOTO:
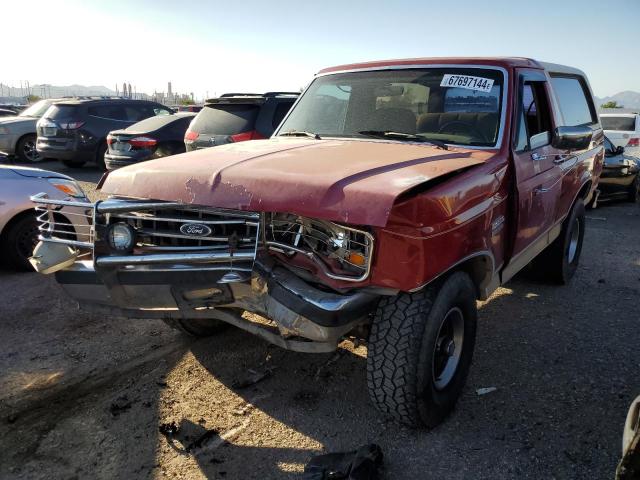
(68, 187)
(356, 258)
(191, 135)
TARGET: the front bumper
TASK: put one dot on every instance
(233, 272)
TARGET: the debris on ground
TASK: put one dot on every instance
(361, 464)
(253, 377)
(337, 356)
(484, 391)
(168, 429)
(202, 439)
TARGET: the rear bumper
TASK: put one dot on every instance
(114, 162)
(70, 149)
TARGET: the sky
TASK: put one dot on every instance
(212, 47)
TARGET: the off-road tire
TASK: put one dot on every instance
(401, 351)
(19, 237)
(197, 327)
(73, 163)
(21, 146)
(554, 264)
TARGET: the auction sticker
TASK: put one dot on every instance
(467, 81)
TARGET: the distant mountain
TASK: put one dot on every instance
(627, 99)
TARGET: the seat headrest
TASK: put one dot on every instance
(392, 119)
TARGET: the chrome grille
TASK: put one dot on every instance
(62, 221)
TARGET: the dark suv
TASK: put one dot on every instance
(75, 131)
(236, 117)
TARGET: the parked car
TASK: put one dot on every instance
(154, 137)
(190, 108)
(620, 177)
(75, 131)
(18, 133)
(623, 130)
(5, 112)
(236, 117)
(392, 197)
(18, 225)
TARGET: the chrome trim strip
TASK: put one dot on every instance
(173, 258)
(43, 199)
(505, 88)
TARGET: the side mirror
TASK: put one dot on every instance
(619, 150)
(571, 138)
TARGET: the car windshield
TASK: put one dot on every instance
(36, 110)
(454, 105)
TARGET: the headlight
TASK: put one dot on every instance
(4, 131)
(120, 237)
(345, 252)
(70, 187)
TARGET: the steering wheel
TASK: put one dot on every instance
(472, 130)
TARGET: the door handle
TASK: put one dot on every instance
(536, 156)
(540, 190)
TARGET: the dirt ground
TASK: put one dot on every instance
(85, 396)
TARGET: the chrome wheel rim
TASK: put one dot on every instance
(573, 242)
(30, 152)
(448, 348)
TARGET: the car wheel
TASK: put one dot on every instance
(559, 261)
(19, 241)
(100, 162)
(420, 350)
(26, 149)
(634, 190)
(73, 163)
(196, 327)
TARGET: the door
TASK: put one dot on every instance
(538, 177)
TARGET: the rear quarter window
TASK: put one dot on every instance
(624, 124)
(56, 112)
(225, 119)
(575, 101)
(111, 112)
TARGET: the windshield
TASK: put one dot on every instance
(625, 124)
(453, 105)
(36, 110)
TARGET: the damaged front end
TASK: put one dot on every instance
(170, 260)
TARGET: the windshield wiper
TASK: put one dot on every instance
(403, 136)
(300, 133)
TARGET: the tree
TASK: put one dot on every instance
(612, 104)
(186, 101)
(33, 98)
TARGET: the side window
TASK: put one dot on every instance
(281, 110)
(112, 112)
(135, 113)
(575, 102)
(161, 111)
(534, 124)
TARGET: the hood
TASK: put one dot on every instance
(15, 120)
(36, 172)
(348, 181)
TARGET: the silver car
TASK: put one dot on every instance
(18, 226)
(18, 133)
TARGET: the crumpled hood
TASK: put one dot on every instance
(348, 181)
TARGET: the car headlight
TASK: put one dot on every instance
(4, 131)
(70, 187)
(345, 251)
(120, 237)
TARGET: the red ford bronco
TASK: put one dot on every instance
(392, 197)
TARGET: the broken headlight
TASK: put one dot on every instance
(344, 253)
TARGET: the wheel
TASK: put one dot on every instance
(420, 350)
(634, 190)
(73, 163)
(559, 261)
(19, 241)
(26, 149)
(196, 327)
(102, 150)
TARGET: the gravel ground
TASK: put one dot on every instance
(84, 396)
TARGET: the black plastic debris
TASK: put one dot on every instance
(168, 429)
(361, 464)
(121, 404)
(253, 377)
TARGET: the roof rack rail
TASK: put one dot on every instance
(240, 95)
(273, 94)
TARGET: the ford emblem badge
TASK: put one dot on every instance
(195, 229)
